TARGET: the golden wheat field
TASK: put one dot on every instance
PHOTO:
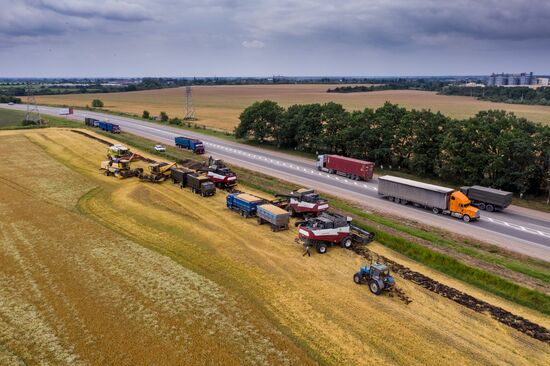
(220, 106)
(95, 270)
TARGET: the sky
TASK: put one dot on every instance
(133, 38)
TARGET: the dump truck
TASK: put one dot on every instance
(244, 203)
(377, 276)
(276, 216)
(305, 202)
(348, 167)
(220, 174)
(179, 175)
(109, 127)
(119, 168)
(489, 199)
(197, 146)
(330, 229)
(436, 198)
(158, 172)
(201, 184)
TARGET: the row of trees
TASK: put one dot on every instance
(517, 95)
(494, 148)
(398, 84)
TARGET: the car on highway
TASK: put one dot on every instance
(160, 148)
(11, 103)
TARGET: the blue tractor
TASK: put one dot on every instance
(377, 276)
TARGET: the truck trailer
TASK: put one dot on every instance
(65, 111)
(348, 167)
(92, 122)
(201, 184)
(179, 175)
(438, 199)
(197, 146)
(244, 203)
(489, 199)
(109, 127)
(276, 216)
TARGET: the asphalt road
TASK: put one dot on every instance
(522, 230)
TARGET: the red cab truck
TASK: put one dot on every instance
(348, 167)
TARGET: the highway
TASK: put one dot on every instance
(522, 230)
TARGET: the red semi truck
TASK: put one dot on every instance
(348, 167)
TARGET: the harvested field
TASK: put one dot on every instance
(124, 272)
(220, 106)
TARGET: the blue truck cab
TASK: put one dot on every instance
(244, 203)
(197, 146)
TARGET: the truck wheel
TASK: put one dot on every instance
(391, 199)
(292, 213)
(322, 248)
(490, 208)
(435, 210)
(106, 173)
(404, 202)
(374, 287)
(397, 200)
(242, 213)
(347, 242)
(260, 221)
(481, 206)
(357, 279)
(466, 218)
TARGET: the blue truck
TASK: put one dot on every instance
(188, 143)
(109, 127)
(244, 203)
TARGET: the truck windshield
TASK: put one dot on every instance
(466, 205)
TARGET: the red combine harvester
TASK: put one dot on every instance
(305, 202)
(220, 174)
(330, 229)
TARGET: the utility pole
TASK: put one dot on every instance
(33, 114)
(189, 109)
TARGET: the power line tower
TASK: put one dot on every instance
(33, 114)
(189, 109)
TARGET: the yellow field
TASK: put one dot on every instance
(105, 271)
(219, 106)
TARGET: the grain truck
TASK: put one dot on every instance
(436, 198)
(197, 146)
(179, 175)
(109, 127)
(276, 216)
(245, 204)
(489, 199)
(348, 167)
(201, 184)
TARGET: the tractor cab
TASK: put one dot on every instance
(155, 168)
(328, 221)
(117, 151)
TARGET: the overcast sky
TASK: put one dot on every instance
(266, 37)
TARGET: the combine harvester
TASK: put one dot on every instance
(220, 174)
(304, 202)
(158, 172)
(330, 229)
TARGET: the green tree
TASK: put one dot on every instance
(146, 115)
(259, 121)
(163, 116)
(96, 103)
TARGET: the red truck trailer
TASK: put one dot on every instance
(348, 167)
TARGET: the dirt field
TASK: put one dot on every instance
(219, 106)
(105, 271)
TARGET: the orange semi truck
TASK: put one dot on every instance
(436, 198)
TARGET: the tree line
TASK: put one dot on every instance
(397, 84)
(516, 95)
(493, 148)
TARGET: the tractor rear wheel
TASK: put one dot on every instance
(106, 173)
(374, 287)
(347, 242)
(358, 279)
(322, 248)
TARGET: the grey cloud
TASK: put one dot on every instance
(110, 9)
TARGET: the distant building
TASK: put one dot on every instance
(543, 81)
(523, 79)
